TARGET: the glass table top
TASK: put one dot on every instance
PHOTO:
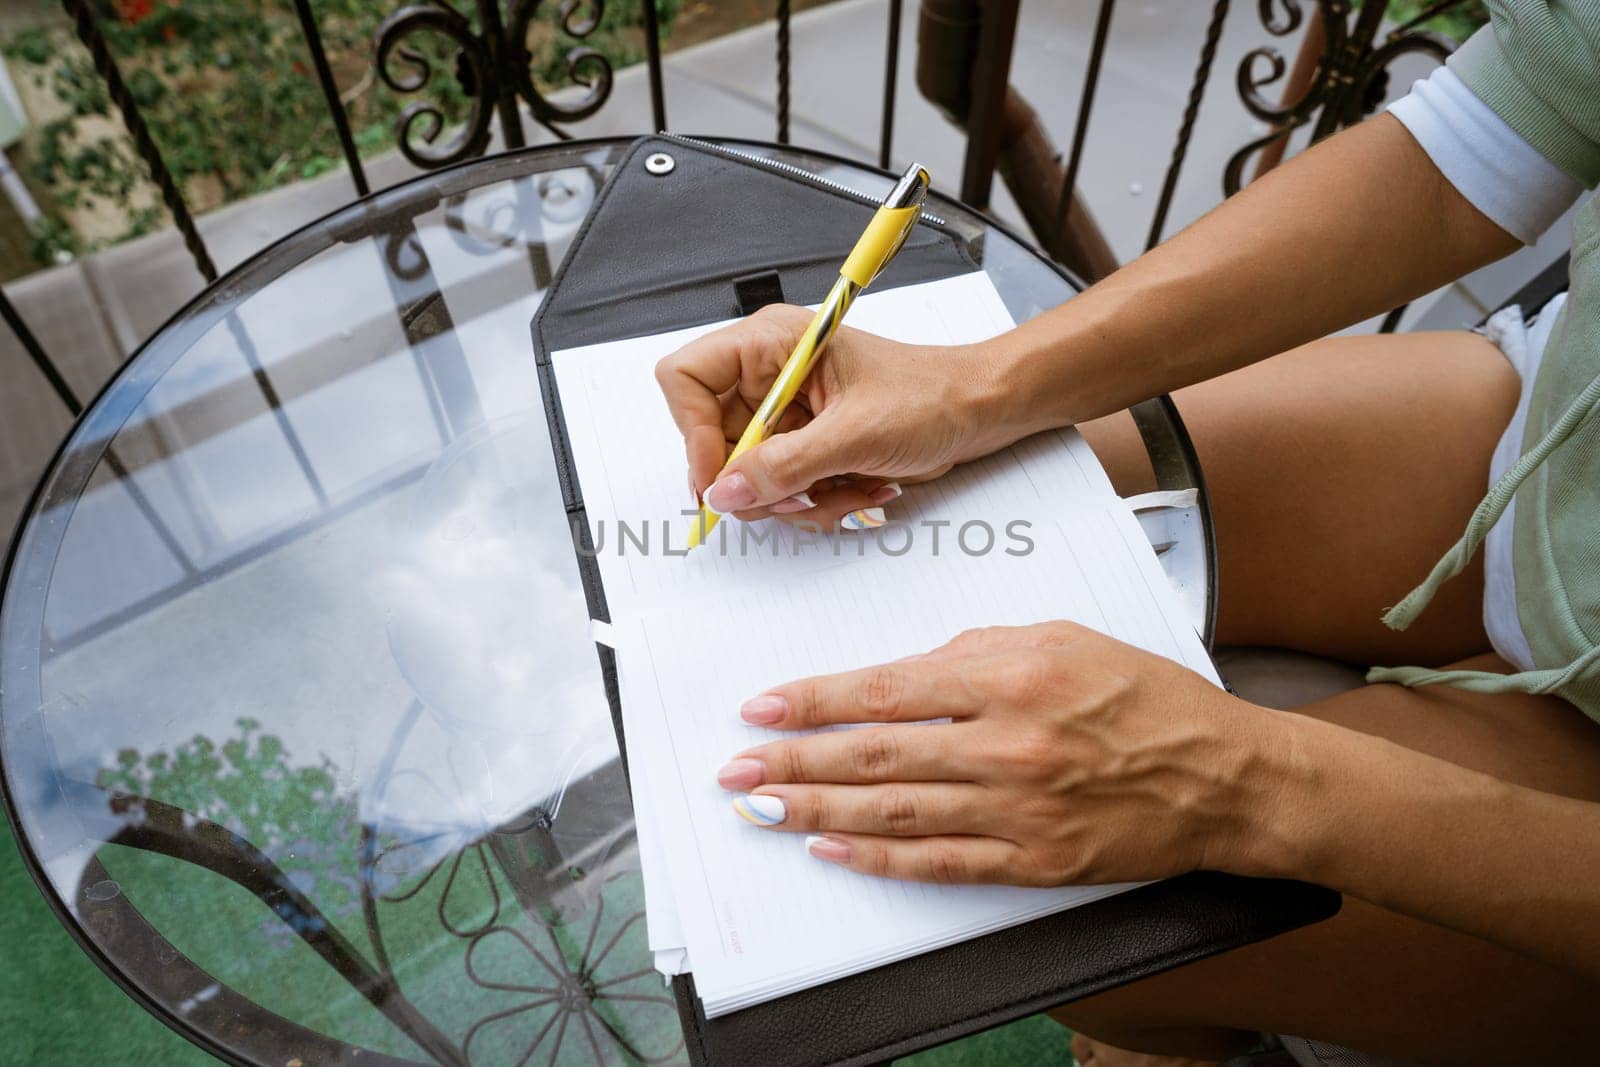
(300, 720)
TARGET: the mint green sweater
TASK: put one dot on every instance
(1537, 65)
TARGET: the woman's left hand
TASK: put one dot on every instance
(1069, 757)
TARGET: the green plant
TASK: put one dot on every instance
(228, 91)
(52, 240)
(248, 785)
(1457, 23)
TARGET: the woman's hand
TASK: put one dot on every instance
(1069, 758)
(878, 410)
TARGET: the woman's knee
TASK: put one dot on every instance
(1121, 451)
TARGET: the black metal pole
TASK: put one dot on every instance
(1339, 105)
(1391, 321)
(89, 33)
(36, 353)
(493, 31)
(274, 402)
(783, 71)
(330, 93)
(1091, 82)
(652, 51)
(991, 72)
(163, 532)
(1197, 92)
(74, 406)
(891, 67)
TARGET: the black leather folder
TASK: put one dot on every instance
(685, 233)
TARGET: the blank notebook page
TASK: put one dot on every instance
(697, 635)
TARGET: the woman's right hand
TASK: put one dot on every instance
(873, 414)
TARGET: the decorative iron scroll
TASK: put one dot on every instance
(1351, 76)
(493, 66)
(545, 959)
(585, 66)
(594, 1000)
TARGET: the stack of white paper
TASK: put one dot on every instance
(1031, 534)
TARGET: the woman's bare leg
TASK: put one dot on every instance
(1372, 979)
(1339, 473)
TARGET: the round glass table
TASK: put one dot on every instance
(302, 731)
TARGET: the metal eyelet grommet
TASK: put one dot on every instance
(659, 163)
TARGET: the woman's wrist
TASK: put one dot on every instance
(1285, 781)
(986, 412)
(1066, 366)
(1013, 388)
(1334, 806)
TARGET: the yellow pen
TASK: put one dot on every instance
(877, 245)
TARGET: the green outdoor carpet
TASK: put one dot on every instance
(57, 1008)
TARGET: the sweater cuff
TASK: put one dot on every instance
(1482, 64)
(1488, 162)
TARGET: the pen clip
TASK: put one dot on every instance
(911, 189)
(907, 195)
(889, 228)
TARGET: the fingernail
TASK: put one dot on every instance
(694, 494)
(886, 492)
(731, 493)
(864, 519)
(764, 710)
(828, 848)
(741, 774)
(798, 502)
(762, 811)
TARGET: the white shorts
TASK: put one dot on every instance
(1523, 341)
(1523, 193)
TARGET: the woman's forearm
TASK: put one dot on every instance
(1353, 227)
(1427, 838)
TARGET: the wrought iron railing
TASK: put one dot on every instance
(965, 49)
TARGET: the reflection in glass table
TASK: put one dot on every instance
(303, 732)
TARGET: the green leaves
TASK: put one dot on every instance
(1458, 23)
(229, 92)
(31, 45)
(249, 785)
(147, 89)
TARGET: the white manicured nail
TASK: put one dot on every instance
(798, 502)
(864, 519)
(760, 810)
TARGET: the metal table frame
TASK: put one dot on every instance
(171, 831)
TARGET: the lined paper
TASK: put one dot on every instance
(758, 916)
(631, 467)
(762, 917)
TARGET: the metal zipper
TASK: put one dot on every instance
(787, 168)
